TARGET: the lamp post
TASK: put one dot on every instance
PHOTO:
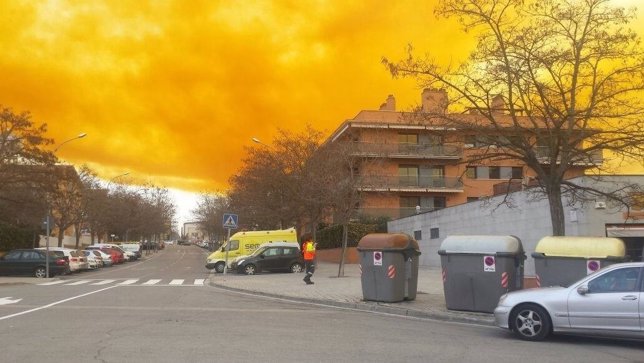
(79, 136)
(258, 141)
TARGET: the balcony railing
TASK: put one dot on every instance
(410, 183)
(401, 150)
(593, 158)
(393, 213)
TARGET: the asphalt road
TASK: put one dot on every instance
(163, 310)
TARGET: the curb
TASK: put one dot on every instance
(373, 306)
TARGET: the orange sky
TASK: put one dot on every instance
(171, 91)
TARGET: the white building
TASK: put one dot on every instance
(528, 219)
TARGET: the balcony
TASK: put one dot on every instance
(407, 151)
(392, 213)
(594, 158)
(396, 183)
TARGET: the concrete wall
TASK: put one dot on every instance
(529, 220)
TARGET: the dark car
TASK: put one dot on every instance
(32, 262)
(184, 243)
(274, 257)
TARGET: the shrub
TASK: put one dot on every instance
(331, 237)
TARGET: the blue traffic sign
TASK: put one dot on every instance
(230, 221)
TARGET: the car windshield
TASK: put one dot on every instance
(258, 251)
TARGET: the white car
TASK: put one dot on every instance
(106, 257)
(94, 261)
(607, 302)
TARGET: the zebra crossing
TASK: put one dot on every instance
(128, 282)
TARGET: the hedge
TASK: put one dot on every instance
(331, 237)
(12, 237)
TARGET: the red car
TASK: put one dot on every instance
(117, 256)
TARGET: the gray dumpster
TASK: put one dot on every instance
(477, 270)
(389, 265)
(560, 261)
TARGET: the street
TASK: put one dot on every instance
(162, 309)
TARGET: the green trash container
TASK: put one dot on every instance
(562, 260)
(389, 267)
(477, 270)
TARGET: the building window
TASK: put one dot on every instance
(418, 235)
(433, 233)
(470, 172)
(408, 139)
(494, 172)
(408, 175)
(517, 172)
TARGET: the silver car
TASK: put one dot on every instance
(609, 302)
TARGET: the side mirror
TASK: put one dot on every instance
(582, 290)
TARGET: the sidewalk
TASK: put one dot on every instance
(347, 292)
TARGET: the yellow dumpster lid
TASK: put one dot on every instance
(388, 241)
(481, 244)
(576, 246)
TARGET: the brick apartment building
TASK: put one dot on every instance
(412, 165)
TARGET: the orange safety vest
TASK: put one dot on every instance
(309, 251)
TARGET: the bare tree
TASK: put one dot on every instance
(65, 198)
(551, 83)
(209, 213)
(269, 190)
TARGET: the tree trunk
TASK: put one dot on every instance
(557, 217)
(345, 235)
(61, 235)
(77, 234)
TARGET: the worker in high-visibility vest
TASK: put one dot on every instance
(308, 252)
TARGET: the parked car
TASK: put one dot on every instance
(117, 255)
(106, 257)
(32, 262)
(275, 256)
(608, 302)
(183, 242)
(135, 248)
(94, 261)
(77, 261)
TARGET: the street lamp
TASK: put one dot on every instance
(116, 177)
(80, 136)
(257, 141)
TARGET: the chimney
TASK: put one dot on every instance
(389, 105)
(498, 104)
(434, 100)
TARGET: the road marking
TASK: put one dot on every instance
(52, 283)
(129, 282)
(199, 281)
(53, 304)
(78, 283)
(104, 282)
(7, 300)
(151, 282)
(176, 282)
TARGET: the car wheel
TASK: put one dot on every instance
(219, 267)
(250, 269)
(40, 272)
(296, 268)
(530, 322)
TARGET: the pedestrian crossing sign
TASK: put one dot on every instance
(230, 221)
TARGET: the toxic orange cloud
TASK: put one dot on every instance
(172, 91)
